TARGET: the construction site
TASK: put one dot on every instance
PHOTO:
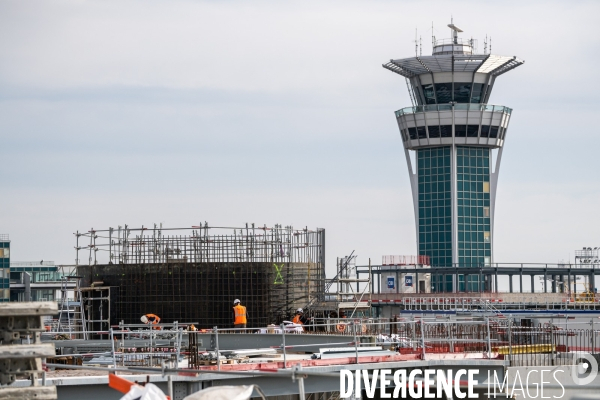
(194, 274)
(97, 335)
(205, 310)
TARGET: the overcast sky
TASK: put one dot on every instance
(229, 112)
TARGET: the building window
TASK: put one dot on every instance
(443, 92)
(446, 130)
(486, 187)
(472, 130)
(493, 132)
(412, 132)
(486, 237)
(473, 211)
(485, 131)
(429, 94)
(462, 92)
(460, 130)
(435, 228)
(477, 93)
(434, 131)
(459, 92)
(421, 133)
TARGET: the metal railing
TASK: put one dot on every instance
(41, 263)
(433, 302)
(439, 42)
(457, 106)
(558, 342)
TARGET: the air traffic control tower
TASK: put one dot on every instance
(453, 132)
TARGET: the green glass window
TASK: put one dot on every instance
(473, 228)
(429, 94)
(462, 92)
(443, 92)
(435, 238)
(476, 95)
(459, 92)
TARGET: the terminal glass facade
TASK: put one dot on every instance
(435, 218)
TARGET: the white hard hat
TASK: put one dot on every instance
(236, 301)
(300, 310)
(144, 319)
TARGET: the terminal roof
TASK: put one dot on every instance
(484, 63)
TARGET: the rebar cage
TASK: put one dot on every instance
(196, 276)
(202, 243)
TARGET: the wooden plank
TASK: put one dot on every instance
(28, 308)
(29, 393)
(16, 351)
(353, 304)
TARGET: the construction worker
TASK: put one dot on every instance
(299, 318)
(239, 314)
(151, 319)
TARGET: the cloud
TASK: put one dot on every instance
(141, 112)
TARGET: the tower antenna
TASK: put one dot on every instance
(454, 32)
(490, 45)
(432, 37)
(485, 45)
(420, 47)
(416, 44)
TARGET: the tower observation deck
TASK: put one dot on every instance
(454, 131)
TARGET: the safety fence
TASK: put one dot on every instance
(464, 303)
(559, 342)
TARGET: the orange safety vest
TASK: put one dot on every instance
(296, 319)
(156, 318)
(240, 314)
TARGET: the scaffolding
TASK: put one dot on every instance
(71, 316)
(203, 243)
(196, 273)
(352, 301)
(97, 305)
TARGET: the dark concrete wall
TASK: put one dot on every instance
(204, 292)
